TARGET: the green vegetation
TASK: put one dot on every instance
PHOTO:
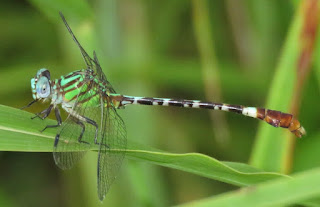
(254, 53)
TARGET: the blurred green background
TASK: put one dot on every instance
(206, 50)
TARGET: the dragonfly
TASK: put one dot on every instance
(92, 103)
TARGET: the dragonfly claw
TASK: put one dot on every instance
(38, 115)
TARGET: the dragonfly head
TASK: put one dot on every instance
(40, 84)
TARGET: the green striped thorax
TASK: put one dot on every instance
(41, 85)
(82, 86)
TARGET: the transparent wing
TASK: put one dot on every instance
(113, 144)
(67, 151)
(77, 133)
(112, 133)
(91, 63)
(85, 56)
(101, 75)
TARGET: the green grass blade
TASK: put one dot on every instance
(277, 192)
(19, 133)
(271, 148)
(317, 59)
(234, 173)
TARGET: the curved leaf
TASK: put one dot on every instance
(279, 192)
(19, 133)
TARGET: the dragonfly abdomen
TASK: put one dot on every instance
(274, 118)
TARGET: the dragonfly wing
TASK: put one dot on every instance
(68, 151)
(98, 68)
(85, 55)
(77, 133)
(100, 73)
(113, 145)
(91, 63)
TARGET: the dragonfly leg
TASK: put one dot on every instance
(82, 132)
(56, 140)
(45, 113)
(89, 121)
(77, 121)
(29, 104)
(58, 116)
(99, 143)
(93, 123)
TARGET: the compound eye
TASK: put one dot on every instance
(43, 87)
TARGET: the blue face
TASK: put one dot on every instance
(40, 84)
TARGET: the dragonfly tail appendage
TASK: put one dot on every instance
(280, 119)
(274, 118)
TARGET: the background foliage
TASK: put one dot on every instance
(256, 53)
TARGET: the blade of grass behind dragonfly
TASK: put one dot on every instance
(278, 192)
(271, 149)
(307, 152)
(317, 59)
(18, 133)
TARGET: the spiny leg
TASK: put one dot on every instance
(79, 119)
(45, 113)
(29, 104)
(58, 117)
(93, 123)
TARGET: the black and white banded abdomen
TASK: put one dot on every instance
(274, 118)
